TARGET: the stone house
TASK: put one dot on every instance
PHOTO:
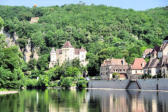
(67, 53)
(34, 20)
(158, 63)
(136, 70)
(110, 66)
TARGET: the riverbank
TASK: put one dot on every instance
(8, 92)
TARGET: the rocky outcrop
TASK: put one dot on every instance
(1, 30)
(35, 53)
(10, 40)
(28, 51)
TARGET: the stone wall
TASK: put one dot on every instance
(151, 84)
(145, 84)
(115, 84)
(148, 84)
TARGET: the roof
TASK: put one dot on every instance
(163, 46)
(138, 64)
(164, 60)
(156, 48)
(52, 50)
(77, 51)
(153, 63)
(114, 62)
(82, 49)
(34, 20)
(67, 45)
(147, 51)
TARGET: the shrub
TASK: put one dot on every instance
(54, 83)
(82, 83)
(43, 81)
(31, 83)
(67, 82)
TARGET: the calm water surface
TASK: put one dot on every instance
(84, 101)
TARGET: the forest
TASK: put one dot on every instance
(104, 31)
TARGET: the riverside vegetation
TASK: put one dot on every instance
(104, 31)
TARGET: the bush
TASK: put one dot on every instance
(43, 81)
(67, 82)
(82, 83)
(146, 76)
(31, 83)
(54, 84)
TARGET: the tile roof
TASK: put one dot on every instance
(164, 60)
(67, 45)
(153, 63)
(163, 46)
(114, 62)
(147, 51)
(77, 51)
(82, 49)
(138, 64)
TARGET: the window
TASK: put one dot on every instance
(149, 71)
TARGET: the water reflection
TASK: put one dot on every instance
(84, 101)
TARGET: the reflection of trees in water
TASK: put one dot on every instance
(67, 100)
(43, 101)
(82, 101)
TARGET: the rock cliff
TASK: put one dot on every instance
(28, 52)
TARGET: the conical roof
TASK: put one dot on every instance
(67, 45)
(53, 50)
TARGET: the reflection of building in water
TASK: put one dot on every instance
(137, 105)
(123, 101)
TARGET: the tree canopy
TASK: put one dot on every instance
(104, 31)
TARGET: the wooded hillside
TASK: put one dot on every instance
(104, 31)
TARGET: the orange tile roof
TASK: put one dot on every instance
(139, 63)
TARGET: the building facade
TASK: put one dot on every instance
(111, 66)
(67, 53)
(136, 70)
(158, 63)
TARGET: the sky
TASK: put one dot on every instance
(126, 4)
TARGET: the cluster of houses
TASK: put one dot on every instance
(157, 64)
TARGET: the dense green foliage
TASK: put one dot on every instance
(104, 31)
(11, 75)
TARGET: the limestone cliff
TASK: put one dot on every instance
(28, 51)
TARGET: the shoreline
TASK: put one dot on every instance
(142, 90)
(8, 92)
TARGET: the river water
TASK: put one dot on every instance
(94, 100)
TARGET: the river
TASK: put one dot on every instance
(93, 100)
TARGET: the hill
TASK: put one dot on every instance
(104, 31)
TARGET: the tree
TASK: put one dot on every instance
(1, 22)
